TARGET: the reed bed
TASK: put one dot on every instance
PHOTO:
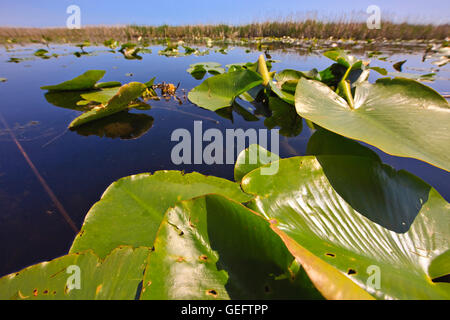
(310, 29)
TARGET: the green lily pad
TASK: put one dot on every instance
(196, 257)
(399, 116)
(101, 96)
(355, 215)
(288, 78)
(86, 81)
(41, 53)
(117, 277)
(344, 59)
(252, 158)
(324, 142)
(132, 208)
(119, 102)
(219, 91)
(198, 70)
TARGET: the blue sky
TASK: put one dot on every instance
(46, 13)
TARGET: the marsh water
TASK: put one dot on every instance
(79, 166)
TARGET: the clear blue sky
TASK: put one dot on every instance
(46, 13)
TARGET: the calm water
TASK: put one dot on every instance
(79, 168)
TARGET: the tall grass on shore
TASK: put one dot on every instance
(305, 29)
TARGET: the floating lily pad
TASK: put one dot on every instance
(132, 208)
(198, 70)
(101, 96)
(399, 116)
(219, 91)
(85, 81)
(121, 125)
(116, 277)
(252, 158)
(119, 102)
(353, 215)
(214, 248)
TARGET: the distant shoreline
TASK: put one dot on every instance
(308, 30)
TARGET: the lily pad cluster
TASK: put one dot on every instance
(336, 223)
(400, 116)
(173, 50)
(99, 99)
(315, 229)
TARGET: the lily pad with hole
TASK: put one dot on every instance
(214, 248)
(116, 277)
(400, 116)
(355, 215)
(132, 208)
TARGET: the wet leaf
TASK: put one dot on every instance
(351, 213)
(399, 116)
(252, 158)
(116, 277)
(132, 208)
(196, 258)
(198, 70)
(86, 81)
(219, 91)
(121, 125)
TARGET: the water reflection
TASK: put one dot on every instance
(123, 125)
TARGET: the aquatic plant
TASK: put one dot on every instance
(400, 116)
(102, 99)
(322, 226)
(167, 235)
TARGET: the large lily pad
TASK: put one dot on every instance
(215, 248)
(252, 158)
(220, 91)
(116, 277)
(356, 215)
(400, 116)
(86, 81)
(132, 208)
(119, 102)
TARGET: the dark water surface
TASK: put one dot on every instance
(79, 168)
